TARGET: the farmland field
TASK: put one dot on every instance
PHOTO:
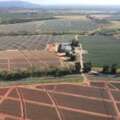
(45, 56)
(22, 60)
(80, 90)
(14, 16)
(81, 103)
(49, 26)
(40, 102)
(31, 42)
(102, 50)
(23, 42)
(63, 25)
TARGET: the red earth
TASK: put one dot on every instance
(62, 101)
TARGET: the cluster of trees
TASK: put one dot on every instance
(75, 43)
(17, 75)
(87, 67)
(55, 72)
(110, 69)
(113, 69)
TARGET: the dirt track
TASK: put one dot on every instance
(58, 102)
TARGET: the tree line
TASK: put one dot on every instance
(17, 75)
(54, 72)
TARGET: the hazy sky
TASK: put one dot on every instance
(72, 2)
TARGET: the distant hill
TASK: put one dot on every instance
(17, 4)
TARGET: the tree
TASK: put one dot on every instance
(106, 69)
(114, 69)
(77, 67)
(72, 57)
(87, 67)
(59, 48)
(75, 43)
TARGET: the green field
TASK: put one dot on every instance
(49, 26)
(21, 17)
(102, 50)
(63, 25)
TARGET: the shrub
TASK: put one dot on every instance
(114, 69)
(77, 67)
(106, 69)
(75, 43)
(87, 67)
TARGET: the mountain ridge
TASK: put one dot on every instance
(17, 4)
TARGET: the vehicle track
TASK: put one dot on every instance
(22, 105)
(54, 104)
(113, 101)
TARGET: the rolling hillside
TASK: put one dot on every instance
(17, 4)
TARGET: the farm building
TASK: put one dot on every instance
(65, 47)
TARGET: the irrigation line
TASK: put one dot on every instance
(54, 104)
(22, 104)
(113, 101)
(61, 113)
(102, 97)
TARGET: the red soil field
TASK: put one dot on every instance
(9, 118)
(10, 107)
(118, 106)
(111, 86)
(68, 115)
(57, 102)
(13, 94)
(35, 112)
(96, 84)
(80, 90)
(3, 67)
(85, 104)
(3, 91)
(116, 95)
(38, 96)
(32, 95)
(117, 85)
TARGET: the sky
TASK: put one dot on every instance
(73, 2)
(76, 2)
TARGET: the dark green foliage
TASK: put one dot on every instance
(72, 57)
(75, 43)
(114, 69)
(5, 75)
(67, 54)
(77, 67)
(87, 67)
(17, 75)
(59, 48)
(110, 69)
(106, 69)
